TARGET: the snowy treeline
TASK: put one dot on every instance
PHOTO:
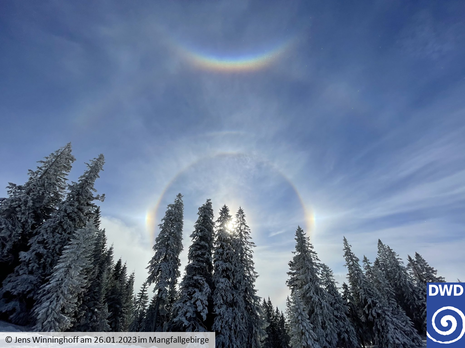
(58, 274)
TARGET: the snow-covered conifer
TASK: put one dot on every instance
(346, 335)
(29, 205)
(21, 287)
(140, 309)
(246, 279)
(192, 310)
(230, 324)
(57, 298)
(387, 323)
(301, 330)
(304, 269)
(164, 265)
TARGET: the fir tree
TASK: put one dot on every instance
(20, 288)
(57, 299)
(29, 205)
(304, 276)
(115, 297)
(246, 280)
(164, 266)
(194, 306)
(140, 309)
(93, 311)
(300, 329)
(346, 335)
(388, 325)
(406, 294)
(422, 273)
(230, 324)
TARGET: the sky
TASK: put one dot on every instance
(344, 118)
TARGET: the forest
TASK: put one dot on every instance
(57, 273)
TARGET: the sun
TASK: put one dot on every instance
(230, 226)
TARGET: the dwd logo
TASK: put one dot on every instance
(445, 308)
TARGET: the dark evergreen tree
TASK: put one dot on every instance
(20, 289)
(275, 335)
(29, 205)
(164, 266)
(193, 309)
(230, 324)
(140, 309)
(57, 299)
(364, 336)
(115, 297)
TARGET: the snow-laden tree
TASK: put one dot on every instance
(93, 310)
(304, 269)
(21, 287)
(422, 273)
(164, 266)
(57, 298)
(193, 309)
(346, 335)
(246, 280)
(230, 323)
(140, 309)
(385, 321)
(29, 205)
(128, 302)
(406, 294)
(301, 330)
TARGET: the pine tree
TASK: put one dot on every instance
(128, 302)
(20, 289)
(285, 340)
(57, 299)
(29, 205)
(140, 309)
(193, 308)
(230, 324)
(300, 328)
(346, 335)
(246, 280)
(164, 265)
(303, 274)
(272, 339)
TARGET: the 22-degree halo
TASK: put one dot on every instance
(151, 218)
(234, 63)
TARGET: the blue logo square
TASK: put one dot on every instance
(445, 307)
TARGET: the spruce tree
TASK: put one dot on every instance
(20, 289)
(140, 309)
(406, 294)
(57, 299)
(301, 330)
(164, 265)
(246, 280)
(193, 309)
(230, 323)
(387, 324)
(303, 273)
(93, 311)
(346, 335)
(115, 297)
(29, 205)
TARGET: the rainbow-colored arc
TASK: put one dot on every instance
(234, 63)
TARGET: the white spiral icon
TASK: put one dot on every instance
(444, 320)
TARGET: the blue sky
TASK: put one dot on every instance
(350, 114)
